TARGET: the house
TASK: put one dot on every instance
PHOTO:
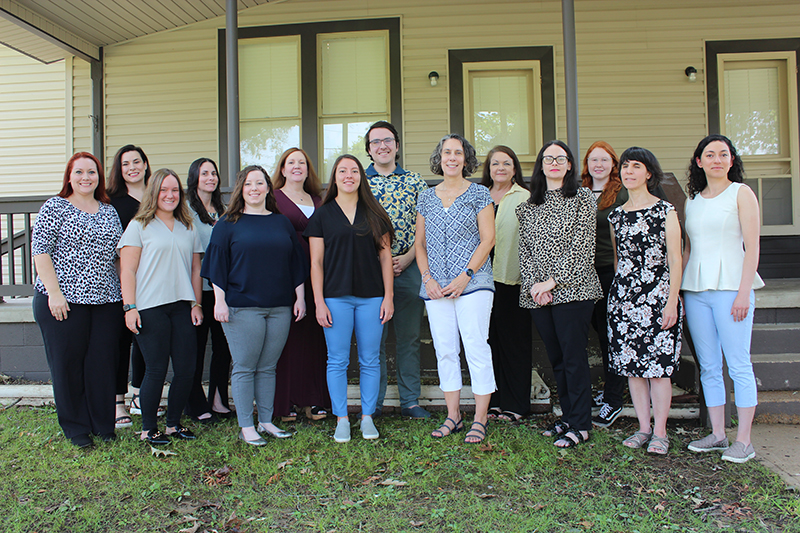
(315, 72)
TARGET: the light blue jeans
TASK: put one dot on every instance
(713, 330)
(256, 336)
(350, 313)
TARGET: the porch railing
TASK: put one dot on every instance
(16, 264)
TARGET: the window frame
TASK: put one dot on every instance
(309, 119)
(719, 52)
(542, 54)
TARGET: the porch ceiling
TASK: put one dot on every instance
(49, 30)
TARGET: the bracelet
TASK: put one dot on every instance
(197, 304)
(426, 282)
(426, 272)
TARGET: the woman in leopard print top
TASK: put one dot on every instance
(559, 282)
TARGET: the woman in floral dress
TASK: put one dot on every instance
(644, 318)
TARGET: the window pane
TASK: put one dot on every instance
(263, 142)
(269, 84)
(354, 74)
(752, 110)
(341, 137)
(501, 111)
(776, 201)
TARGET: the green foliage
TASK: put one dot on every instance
(404, 481)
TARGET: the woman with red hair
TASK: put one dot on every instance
(77, 299)
(601, 174)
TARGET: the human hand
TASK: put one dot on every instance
(197, 315)
(387, 310)
(133, 321)
(741, 306)
(58, 306)
(324, 316)
(221, 311)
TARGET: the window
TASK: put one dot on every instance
(502, 105)
(269, 99)
(756, 95)
(318, 86)
(353, 93)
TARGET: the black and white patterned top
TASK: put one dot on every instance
(83, 248)
(452, 237)
(557, 240)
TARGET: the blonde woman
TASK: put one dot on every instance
(160, 255)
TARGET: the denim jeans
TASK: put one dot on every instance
(407, 322)
(350, 313)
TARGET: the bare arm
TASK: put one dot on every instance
(299, 302)
(221, 311)
(432, 287)
(197, 285)
(669, 316)
(317, 248)
(749, 220)
(129, 262)
(387, 273)
(401, 262)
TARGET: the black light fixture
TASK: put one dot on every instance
(434, 77)
(691, 73)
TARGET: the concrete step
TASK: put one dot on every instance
(776, 339)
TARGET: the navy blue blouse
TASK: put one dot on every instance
(258, 261)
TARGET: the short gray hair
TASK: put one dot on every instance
(471, 162)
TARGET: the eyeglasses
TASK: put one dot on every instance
(388, 141)
(560, 160)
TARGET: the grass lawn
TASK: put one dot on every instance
(404, 481)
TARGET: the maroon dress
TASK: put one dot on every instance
(301, 372)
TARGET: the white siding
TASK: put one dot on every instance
(32, 125)
(81, 106)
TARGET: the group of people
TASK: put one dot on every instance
(484, 260)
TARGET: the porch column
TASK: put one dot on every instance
(96, 70)
(232, 86)
(571, 80)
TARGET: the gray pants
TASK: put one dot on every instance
(256, 336)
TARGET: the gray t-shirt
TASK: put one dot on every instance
(164, 274)
(204, 231)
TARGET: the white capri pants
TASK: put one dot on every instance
(467, 315)
(713, 330)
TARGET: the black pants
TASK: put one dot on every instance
(137, 365)
(82, 356)
(219, 370)
(166, 333)
(126, 354)
(614, 385)
(510, 340)
(564, 329)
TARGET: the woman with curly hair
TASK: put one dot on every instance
(455, 233)
(721, 258)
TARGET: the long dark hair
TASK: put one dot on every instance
(539, 181)
(236, 205)
(697, 176)
(486, 178)
(378, 221)
(116, 183)
(648, 159)
(100, 192)
(311, 184)
(195, 202)
(613, 185)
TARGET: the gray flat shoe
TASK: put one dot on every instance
(368, 429)
(342, 433)
(739, 453)
(280, 434)
(257, 442)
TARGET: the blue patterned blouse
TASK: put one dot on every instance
(452, 237)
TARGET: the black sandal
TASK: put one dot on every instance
(510, 416)
(479, 434)
(494, 413)
(439, 432)
(556, 429)
(571, 443)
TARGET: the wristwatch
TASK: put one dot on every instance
(128, 307)
(470, 273)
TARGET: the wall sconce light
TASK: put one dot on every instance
(434, 77)
(691, 73)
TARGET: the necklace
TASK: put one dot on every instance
(299, 198)
(451, 196)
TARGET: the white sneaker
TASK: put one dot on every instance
(342, 433)
(368, 429)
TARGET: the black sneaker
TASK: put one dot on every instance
(606, 416)
(597, 402)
